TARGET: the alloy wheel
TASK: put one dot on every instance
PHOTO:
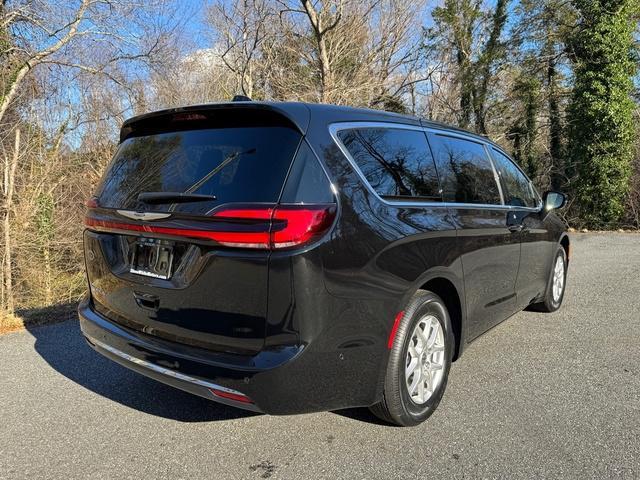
(424, 368)
(558, 279)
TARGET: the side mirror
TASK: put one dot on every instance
(553, 200)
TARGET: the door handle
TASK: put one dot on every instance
(516, 228)
(146, 300)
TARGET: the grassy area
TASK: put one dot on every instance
(34, 317)
(10, 323)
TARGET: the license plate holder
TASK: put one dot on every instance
(152, 258)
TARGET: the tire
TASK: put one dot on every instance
(550, 302)
(398, 406)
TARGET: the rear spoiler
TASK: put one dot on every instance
(214, 115)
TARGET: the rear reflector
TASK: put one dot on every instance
(394, 329)
(260, 227)
(238, 397)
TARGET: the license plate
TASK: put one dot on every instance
(152, 258)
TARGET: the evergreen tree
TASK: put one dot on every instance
(601, 130)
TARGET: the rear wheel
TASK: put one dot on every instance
(419, 362)
(554, 293)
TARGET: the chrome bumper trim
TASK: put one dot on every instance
(164, 371)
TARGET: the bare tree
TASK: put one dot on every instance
(66, 81)
(60, 36)
(394, 53)
(239, 31)
(53, 33)
(322, 18)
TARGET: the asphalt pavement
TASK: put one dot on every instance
(539, 396)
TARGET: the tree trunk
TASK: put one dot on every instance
(555, 127)
(466, 89)
(326, 84)
(487, 60)
(10, 173)
(10, 94)
(319, 32)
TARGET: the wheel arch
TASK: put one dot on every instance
(447, 291)
(444, 283)
(566, 244)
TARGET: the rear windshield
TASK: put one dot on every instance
(247, 164)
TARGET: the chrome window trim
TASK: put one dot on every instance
(336, 127)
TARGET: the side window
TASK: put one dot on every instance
(518, 187)
(396, 162)
(307, 182)
(466, 173)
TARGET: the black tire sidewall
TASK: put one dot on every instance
(425, 303)
(551, 304)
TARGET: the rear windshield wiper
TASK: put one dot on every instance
(228, 159)
(173, 197)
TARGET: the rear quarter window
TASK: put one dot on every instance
(307, 181)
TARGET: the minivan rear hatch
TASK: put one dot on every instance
(178, 233)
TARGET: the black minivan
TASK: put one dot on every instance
(288, 257)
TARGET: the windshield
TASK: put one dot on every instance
(247, 164)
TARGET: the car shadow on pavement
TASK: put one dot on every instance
(63, 347)
(361, 414)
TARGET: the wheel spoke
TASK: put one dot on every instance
(423, 340)
(417, 380)
(411, 367)
(433, 335)
(428, 380)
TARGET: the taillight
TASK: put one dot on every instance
(91, 202)
(257, 227)
(187, 117)
(290, 226)
(245, 239)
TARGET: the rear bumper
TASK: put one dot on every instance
(171, 377)
(317, 376)
(207, 374)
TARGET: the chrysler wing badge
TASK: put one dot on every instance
(148, 216)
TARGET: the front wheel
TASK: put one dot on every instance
(556, 285)
(419, 362)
